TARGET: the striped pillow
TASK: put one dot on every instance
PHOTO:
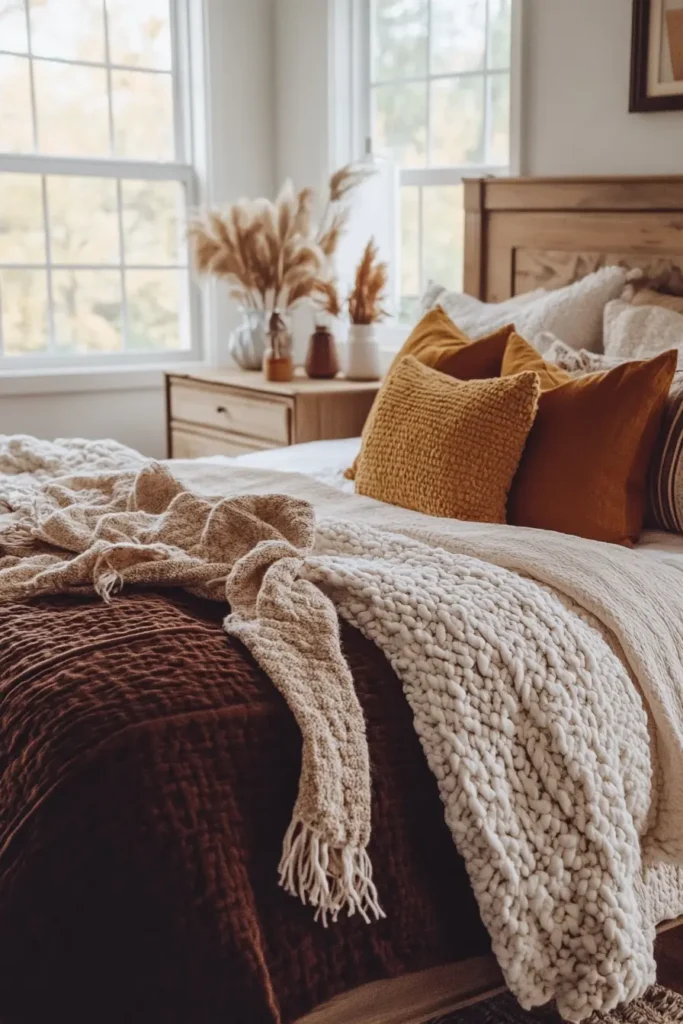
(665, 504)
(665, 492)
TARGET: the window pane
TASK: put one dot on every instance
(22, 232)
(499, 33)
(13, 34)
(23, 306)
(444, 234)
(155, 299)
(410, 240)
(87, 310)
(410, 305)
(143, 115)
(499, 127)
(458, 36)
(153, 212)
(457, 121)
(70, 29)
(400, 117)
(399, 35)
(83, 220)
(72, 109)
(139, 33)
(16, 120)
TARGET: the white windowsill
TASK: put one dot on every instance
(71, 380)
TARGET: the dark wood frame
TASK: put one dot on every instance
(640, 54)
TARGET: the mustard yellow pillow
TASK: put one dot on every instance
(437, 342)
(446, 447)
(585, 465)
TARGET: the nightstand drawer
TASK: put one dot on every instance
(195, 443)
(230, 410)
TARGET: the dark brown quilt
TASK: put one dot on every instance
(148, 770)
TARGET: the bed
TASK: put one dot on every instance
(148, 766)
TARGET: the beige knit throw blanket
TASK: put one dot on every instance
(103, 530)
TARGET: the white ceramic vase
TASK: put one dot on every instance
(363, 361)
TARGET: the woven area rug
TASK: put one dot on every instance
(658, 1006)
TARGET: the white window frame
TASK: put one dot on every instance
(186, 26)
(350, 106)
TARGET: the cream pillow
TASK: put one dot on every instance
(574, 313)
(637, 332)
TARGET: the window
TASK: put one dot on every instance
(440, 104)
(95, 180)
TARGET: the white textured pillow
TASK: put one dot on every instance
(636, 332)
(462, 304)
(574, 313)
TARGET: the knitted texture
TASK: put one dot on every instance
(435, 341)
(101, 531)
(658, 1006)
(638, 332)
(539, 745)
(447, 447)
(537, 738)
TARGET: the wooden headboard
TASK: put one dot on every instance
(525, 233)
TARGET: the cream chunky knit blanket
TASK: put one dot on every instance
(531, 723)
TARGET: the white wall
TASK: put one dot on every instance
(301, 91)
(240, 161)
(575, 95)
(136, 418)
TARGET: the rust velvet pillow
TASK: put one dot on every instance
(437, 342)
(585, 465)
(444, 446)
(520, 355)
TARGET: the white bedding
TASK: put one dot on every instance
(323, 460)
(327, 460)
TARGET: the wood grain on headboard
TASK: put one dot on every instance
(524, 233)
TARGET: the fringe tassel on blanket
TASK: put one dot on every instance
(327, 878)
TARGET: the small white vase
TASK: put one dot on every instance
(363, 361)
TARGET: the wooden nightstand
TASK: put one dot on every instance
(229, 412)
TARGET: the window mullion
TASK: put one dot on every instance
(110, 99)
(487, 91)
(32, 79)
(428, 88)
(98, 167)
(48, 267)
(122, 267)
(180, 73)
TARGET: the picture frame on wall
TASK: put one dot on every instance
(657, 55)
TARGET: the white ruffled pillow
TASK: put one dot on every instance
(574, 313)
(638, 332)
